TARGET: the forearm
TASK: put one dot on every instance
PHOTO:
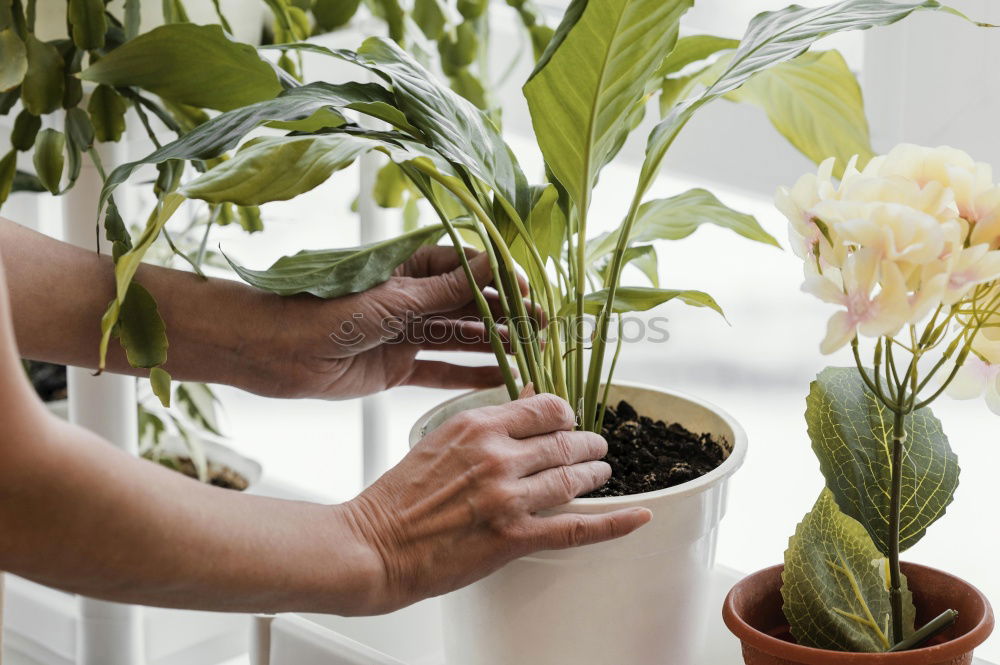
(82, 516)
(220, 331)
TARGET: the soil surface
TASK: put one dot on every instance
(647, 455)
(220, 476)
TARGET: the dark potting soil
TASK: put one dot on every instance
(220, 476)
(647, 455)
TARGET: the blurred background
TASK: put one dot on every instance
(931, 80)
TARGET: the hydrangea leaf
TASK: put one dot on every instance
(835, 584)
(851, 433)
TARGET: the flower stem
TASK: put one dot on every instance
(935, 626)
(895, 502)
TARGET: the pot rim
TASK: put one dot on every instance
(937, 653)
(728, 467)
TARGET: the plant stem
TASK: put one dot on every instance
(895, 501)
(935, 626)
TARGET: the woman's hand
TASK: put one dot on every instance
(464, 502)
(368, 342)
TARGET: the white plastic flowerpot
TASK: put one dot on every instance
(640, 600)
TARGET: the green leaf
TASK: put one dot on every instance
(25, 131)
(277, 168)
(107, 113)
(770, 39)
(8, 169)
(332, 14)
(174, 12)
(835, 584)
(86, 17)
(42, 88)
(644, 258)
(224, 131)
(199, 403)
(585, 88)
(338, 272)
(815, 102)
(692, 49)
(127, 265)
(640, 299)
(141, 330)
(159, 380)
(13, 59)
(453, 126)
(430, 17)
(851, 433)
(198, 65)
(248, 217)
(678, 217)
(49, 158)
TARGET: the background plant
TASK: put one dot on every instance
(907, 248)
(590, 88)
(174, 77)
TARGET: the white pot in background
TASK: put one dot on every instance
(640, 600)
(219, 454)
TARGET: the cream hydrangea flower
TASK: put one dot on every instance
(979, 375)
(945, 166)
(796, 204)
(872, 292)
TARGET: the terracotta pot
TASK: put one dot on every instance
(752, 611)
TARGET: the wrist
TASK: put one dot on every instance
(369, 558)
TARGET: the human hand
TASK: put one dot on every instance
(368, 342)
(464, 502)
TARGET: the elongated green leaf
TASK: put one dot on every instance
(453, 126)
(644, 258)
(88, 23)
(199, 403)
(13, 59)
(678, 217)
(49, 158)
(692, 49)
(277, 168)
(815, 102)
(107, 113)
(586, 87)
(198, 65)
(851, 433)
(141, 330)
(42, 88)
(835, 584)
(223, 132)
(773, 38)
(338, 272)
(639, 299)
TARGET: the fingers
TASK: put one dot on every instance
(533, 416)
(447, 291)
(449, 335)
(433, 260)
(571, 530)
(558, 449)
(437, 374)
(559, 485)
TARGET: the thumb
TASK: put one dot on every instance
(451, 290)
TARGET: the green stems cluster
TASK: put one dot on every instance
(899, 390)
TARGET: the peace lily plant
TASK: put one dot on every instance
(906, 249)
(590, 88)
